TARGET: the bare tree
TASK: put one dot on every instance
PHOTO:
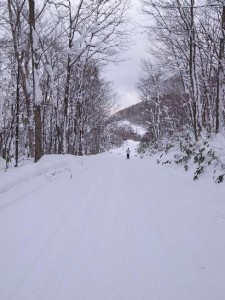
(185, 40)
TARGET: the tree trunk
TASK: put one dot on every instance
(38, 132)
(17, 116)
(37, 107)
(220, 75)
(192, 47)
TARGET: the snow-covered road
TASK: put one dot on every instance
(105, 228)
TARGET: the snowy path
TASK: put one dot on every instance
(116, 230)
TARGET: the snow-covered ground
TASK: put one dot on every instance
(107, 228)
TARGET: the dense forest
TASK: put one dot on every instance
(185, 85)
(182, 82)
(53, 98)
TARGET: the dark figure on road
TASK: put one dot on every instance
(128, 153)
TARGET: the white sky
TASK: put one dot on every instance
(125, 75)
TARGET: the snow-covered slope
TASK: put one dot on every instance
(108, 228)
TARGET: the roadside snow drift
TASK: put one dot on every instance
(108, 228)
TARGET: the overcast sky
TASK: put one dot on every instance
(125, 75)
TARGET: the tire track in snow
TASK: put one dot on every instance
(126, 239)
(24, 195)
(90, 212)
(174, 221)
(43, 249)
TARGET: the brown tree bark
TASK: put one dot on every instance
(37, 107)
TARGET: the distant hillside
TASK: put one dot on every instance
(129, 123)
(139, 121)
(135, 114)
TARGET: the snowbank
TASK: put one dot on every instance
(2, 164)
(47, 164)
(205, 156)
(218, 145)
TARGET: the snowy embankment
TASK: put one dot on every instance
(207, 156)
(34, 176)
(104, 227)
(30, 171)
